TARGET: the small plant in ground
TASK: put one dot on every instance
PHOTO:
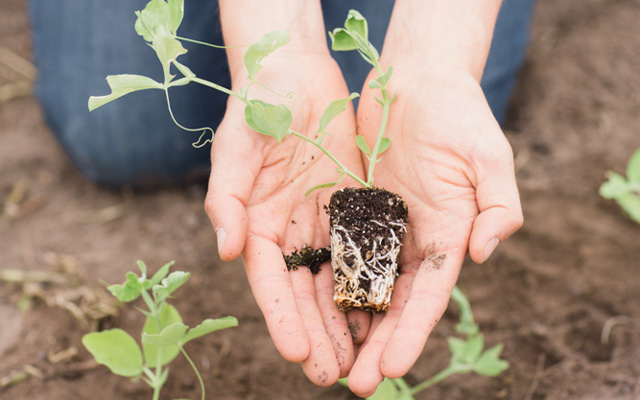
(367, 224)
(163, 336)
(467, 355)
(625, 191)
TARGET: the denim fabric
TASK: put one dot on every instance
(133, 141)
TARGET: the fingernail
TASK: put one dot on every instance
(222, 236)
(491, 246)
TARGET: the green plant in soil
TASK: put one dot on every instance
(467, 355)
(364, 270)
(164, 334)
(625, 191)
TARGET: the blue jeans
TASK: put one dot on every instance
(133, 141)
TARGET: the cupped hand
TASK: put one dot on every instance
(257, 204)
(453, 166)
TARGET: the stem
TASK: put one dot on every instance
(386, 105)
(440, 376)
(195, 369)
(215, 46)
(218, 87)
(335, 160)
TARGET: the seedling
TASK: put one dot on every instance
(364, 262)
(467, 356)
(625, 191)
(163, 335)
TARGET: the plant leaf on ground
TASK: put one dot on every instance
(625, 191)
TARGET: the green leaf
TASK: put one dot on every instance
(362, 145)
(129, 290)
(159, 275)
(168, 316)
(159, 18)
(341, 40)
(262, 48)
(176, 13)
(170, 284)
(386, 390)
(357, 24)
(384, 145)
(465, 353)
(184, 70)
(630, 203)
(334, 109)
(456, 345)
(116, 350)
(143, 269)
(121, 85)
(167, 49)
(633, 168)
(489, 363)
(268, 119)
(381, 81)
(169, 337)
(615, 187)
(207, 326)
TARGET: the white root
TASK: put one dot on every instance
(379, 270)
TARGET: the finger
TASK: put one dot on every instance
(359, 322)
(430, 293)
(234, 167)
(335, 321)
(321, 367)
(499, 205)
(272, 289)
(366, 374)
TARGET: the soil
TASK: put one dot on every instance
(563, 294)
(366, 228)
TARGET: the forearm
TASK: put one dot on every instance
(245, 21)
(444, 34)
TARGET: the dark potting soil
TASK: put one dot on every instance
(308, 257)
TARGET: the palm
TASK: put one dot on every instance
(257, 192)
(446, 151)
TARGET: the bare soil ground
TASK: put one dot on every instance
(563, 294)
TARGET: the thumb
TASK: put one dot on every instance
(499, 205)
(234, 168)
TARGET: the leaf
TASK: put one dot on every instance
(159, 275)
(116, 350)
(341, 40)
(615, 187)
(129, 290)
(159, 18)
(168, 338)
(168, 316)
(384, 145)
(184, 70)
(357, 24)
(465, 353)
(633, 168)
(268, 119)
(489, 363)
(362, 145)
(170, 284)
(381, 81)
(167, 49)
(207, 326)
(121, 85)
(334, 109)
(630, 203)
(262, 48)
(143, 269)
(386, 390)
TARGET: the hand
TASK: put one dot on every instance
(453, 166)
(257, 204)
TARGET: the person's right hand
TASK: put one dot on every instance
(257, 204)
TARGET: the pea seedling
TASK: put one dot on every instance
(163, 336)
(467, 356)
(364, 261)
(625, 191)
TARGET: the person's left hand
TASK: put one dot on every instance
(453, 166)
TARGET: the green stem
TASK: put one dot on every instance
(215, 86)
(386, 105)
(195, 369)
(440, 376)
(335, 160)
(215, 46)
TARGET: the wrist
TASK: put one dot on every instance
(442, 35)
(245, 21)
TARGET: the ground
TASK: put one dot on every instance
(562, 294)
